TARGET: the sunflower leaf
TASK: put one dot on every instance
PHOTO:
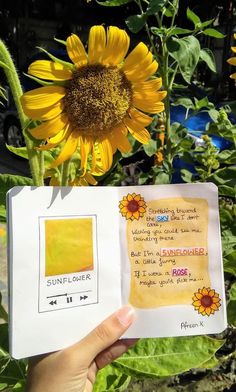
(113, 3)
(61, 41)
(167, 356)
(135, 23)
(208, 57)
(65, 63)
(154, 6)
(193, 17)
(213, 33)
(111, 379)
(8, 181)
(186, 51)
(39, 81)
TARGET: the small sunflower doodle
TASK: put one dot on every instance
(132, 206)
(206, 301)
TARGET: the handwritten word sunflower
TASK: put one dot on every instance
(95, 102)
(132, 206)
(206, 301)
(232, 60)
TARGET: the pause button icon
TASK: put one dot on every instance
(69, 299)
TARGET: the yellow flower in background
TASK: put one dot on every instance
(206, 301)
(232, 60)
(132, 206)
(94, 102)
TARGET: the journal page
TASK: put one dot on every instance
(171, 259)
(64, 265)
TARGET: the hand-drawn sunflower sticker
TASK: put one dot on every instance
(132, 206)
(206, 301)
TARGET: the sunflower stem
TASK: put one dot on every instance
(65, 173)
(16, 90)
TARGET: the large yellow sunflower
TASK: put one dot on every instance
(232, 60)
(93, 103)
(206, 301)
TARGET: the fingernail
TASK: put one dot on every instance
(125, 315)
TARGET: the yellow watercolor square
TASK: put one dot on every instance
(68, 246)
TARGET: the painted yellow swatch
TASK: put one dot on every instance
(68, 246)
(184, 238)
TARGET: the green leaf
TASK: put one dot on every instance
(154, 6)
(8, 181)
(61, 41)
(111, 379)
(208, 57)
(3, 313)
(232, 292)
(113, 3)
(224, 176)
(185, 102)
(19, 151)
(206, 23)
(231, 312)
(162, 178)
(193, 17)
(167, 356)
(210, 363)
(143, 178)
(230, 264)
(135, 23)
(179, 31)
(65, 63)
(151, 148)
(186, 175)
(2, 213)
(213, 33)
(186, 52)
(227, 156)
(39, 81)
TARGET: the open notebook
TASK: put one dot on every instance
(76, 254)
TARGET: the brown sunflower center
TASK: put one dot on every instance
(133, 206)
(206, 301)
(97, 99)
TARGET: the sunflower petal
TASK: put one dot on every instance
(148, 86)
(119, 140)
(76, 51)
(55, 141)
(232, 61)
(142, 135)
(49, 128)
(233, 76)
(49, 70)
(97, 43)
(140, 118)
(117, 46)
(85, 148)
(68, 150)
(139, 67)
(105, 150)
(42, 97)
(142, 74)
(154, 107)
(138, 53)
(44, 114)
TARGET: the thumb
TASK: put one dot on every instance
(105, 334)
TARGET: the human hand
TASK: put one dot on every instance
(74, 369)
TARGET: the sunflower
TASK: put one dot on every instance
(232, 60)
(95, 102)
(206, 301)
(132, 206)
